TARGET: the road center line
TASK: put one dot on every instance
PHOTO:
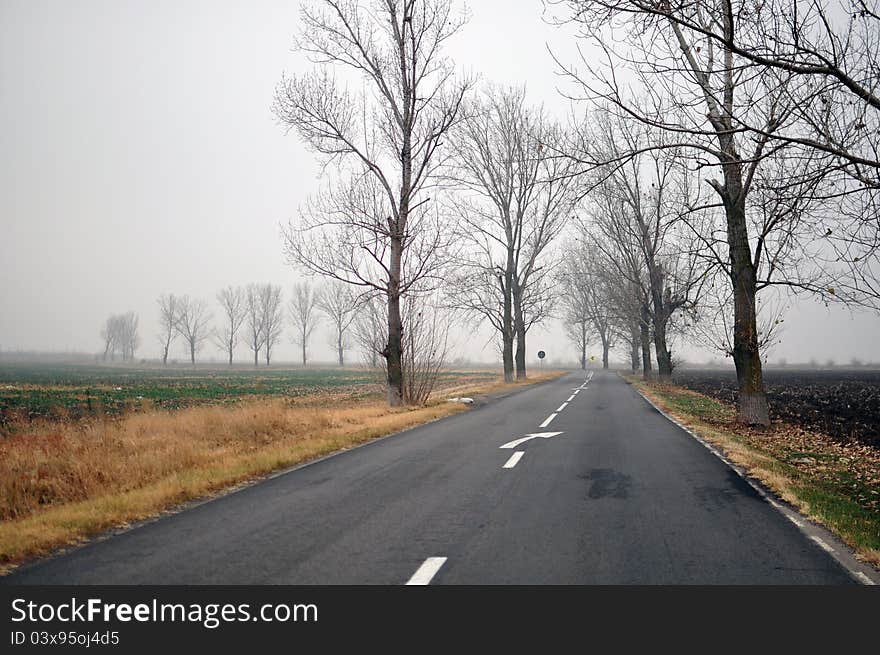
(562, 406)
(510, 463)
(570, 398)
(547, 421)
(427, 571)
(576, 392)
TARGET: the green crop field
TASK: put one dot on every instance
(60, 391)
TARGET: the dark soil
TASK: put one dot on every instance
(843, 403)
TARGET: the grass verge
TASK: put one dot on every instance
(64, 481)
(836, 484)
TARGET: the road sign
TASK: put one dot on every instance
(541, 354)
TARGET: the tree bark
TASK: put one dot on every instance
(394, 349)
(520, 330)
(634, 347)
(664, 357)
(584, 346)
(645, 334)
(752, 408)
(605, 349)
(507, 322)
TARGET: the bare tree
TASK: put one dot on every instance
(168, 307)
(340, 305)
(109, 335)
(374, 230)
(518, 196)
(638, 215)
(577, 320)
(254, 320)
(272, 317)
(234, 308)
(303, 310)
(192, 324)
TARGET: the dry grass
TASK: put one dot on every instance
(835, 484)
(63, 481)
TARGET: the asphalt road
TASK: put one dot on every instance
(621, 496)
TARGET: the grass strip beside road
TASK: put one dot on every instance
(63, 482)
(836, 484)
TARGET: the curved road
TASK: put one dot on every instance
(621, 496)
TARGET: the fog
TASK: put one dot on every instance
(139, 156)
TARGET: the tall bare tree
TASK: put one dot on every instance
(168, 306)
(373, 228)
(254, 320)
(517, 196)
(272, 317)
(339, 303)
(303, 309)
(192, 324)
(234, 310)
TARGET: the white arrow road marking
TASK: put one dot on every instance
(548, 420)
(427, 571)
(509, 464)
(534, 435)
(562, 406)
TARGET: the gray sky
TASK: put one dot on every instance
(138, 156)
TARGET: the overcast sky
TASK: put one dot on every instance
(138, 155)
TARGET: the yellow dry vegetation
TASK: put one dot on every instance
(63, 481)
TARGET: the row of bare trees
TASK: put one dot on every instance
(254, 315)
(771, 106)
(729, 148)
(426, 174)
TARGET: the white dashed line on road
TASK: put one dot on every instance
(571, 397)
(427, 571)
(562, 406)
(547, 421)
(822, 544)
(509, 464)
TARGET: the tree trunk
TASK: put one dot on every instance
(507, 322)
(192, 352)
(752, 406)
(267, 355)
(634, 347)
(664, 357)
(584, 346)
(645, 334)
(519, 327)
(304, 354)
(256, 357)
(341, 352)
(394, 349)
(605, 349)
